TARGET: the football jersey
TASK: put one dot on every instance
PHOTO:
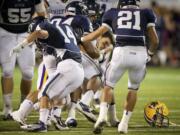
(62, 39)
(77, 22)
(57, 7)
(15, 15)
(129, 25)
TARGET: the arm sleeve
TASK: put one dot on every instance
(107, 19)
(151, 18)
(86, 25)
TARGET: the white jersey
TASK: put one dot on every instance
(57, 7)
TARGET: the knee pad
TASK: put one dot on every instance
(27, 74)
(7, 72)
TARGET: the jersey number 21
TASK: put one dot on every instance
(126, 18)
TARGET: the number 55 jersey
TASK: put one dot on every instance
(16, 14)
(129, 25)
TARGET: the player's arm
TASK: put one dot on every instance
(106, 26)
(41, 34)
(40, 8)
(154, 41)
(94, 35)
(151, 32)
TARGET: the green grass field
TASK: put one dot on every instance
(160, 84)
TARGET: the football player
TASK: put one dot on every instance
(69, 73)
(75, 10)
(129, 24)
(14, 20)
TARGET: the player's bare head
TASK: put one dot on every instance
(127, 2)
(34, 23)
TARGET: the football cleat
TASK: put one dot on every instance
(86, 111)
(16, 116)
(156, 114)
(113, 123)
(7, 117)
(71, 122)
(58, 123)
(49, 123)
(39, 127)
(98, 127)
(123, 128)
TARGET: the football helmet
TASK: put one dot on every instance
(127, 2)
(156, 114)
(64, 1)
(77, 8)
(34, 23)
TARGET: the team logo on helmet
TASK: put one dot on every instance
(156, 114)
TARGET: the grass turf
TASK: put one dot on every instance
(160, 84)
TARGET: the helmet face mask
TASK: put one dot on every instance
(77, 8)
(155, 114)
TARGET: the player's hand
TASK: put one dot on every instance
(15, 50)
(150, 55)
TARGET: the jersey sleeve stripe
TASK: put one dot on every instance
(106, 25)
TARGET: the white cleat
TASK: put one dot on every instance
(86, 111)
(123, 128)
(18, 118)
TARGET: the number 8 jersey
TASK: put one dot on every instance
(129, 25)
(16, 14)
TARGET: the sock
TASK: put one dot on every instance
(87, 97)
(126, 116)
(97, 95)
(103, 110)
(112, 112)
(56, 111)
(36, 106)
(72, 110)
(7, 103)
(26, 107)
(44, 113)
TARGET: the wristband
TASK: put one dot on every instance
(82, 39)
(150, 53)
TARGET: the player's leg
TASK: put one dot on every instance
(91, 70)
(55, 117)
(113, 73)
(8, 40)
(28, 104)
(57, 87)
(112, 116)
(136, 75)
(92, 86)
(26, 61)
(75, 96)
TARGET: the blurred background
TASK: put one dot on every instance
(168, 28)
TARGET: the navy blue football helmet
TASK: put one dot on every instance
(77, 7)
(127, 2)
(34, 23)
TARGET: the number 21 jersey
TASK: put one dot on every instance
(16, 14)
(129, 25)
